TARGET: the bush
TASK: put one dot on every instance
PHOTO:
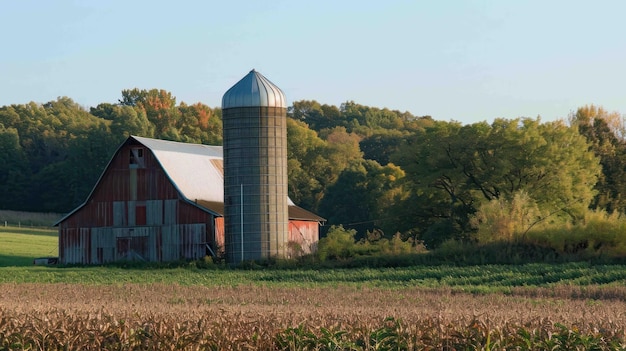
(338, 244)
(598, 235)
(506, 220)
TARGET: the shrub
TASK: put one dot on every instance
(597, 235)
(506, 220)
(397, 246)
(338, 244)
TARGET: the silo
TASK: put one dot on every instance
(254, 113)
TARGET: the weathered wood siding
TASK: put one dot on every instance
(305, 234)
(151, 244)
(135, 213)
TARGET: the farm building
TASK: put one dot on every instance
(162, 201)
(254, 117)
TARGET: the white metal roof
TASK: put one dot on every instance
(173, 146)
(191, 167)
(254, 90)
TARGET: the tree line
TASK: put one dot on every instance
(378, 172)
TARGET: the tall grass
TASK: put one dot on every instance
(28, 219)
(597, 235)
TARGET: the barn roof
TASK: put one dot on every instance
(197, 172)
(193, 168)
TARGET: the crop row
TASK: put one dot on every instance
(495, 278)
(171, 316)
(69, 331)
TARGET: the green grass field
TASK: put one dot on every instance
(19, 246)
(472, 279)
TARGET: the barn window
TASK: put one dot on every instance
(136, 159)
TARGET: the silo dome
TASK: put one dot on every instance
(254, 90)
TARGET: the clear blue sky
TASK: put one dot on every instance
(454, 60)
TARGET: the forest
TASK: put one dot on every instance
(374, 173)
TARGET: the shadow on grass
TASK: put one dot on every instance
(15, 261)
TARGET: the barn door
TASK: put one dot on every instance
(133, 244)
(123, 248)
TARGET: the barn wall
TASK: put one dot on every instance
(219, 233)
(135, 213)
(305, 234)
(150, 244)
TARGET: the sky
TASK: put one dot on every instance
(467, 61)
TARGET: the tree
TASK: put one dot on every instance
(159, 107)
(362, 196)
(316, 116)
(200, 124)
(455, 168)
(52, 172)
(14, 173)
(304, 149)
(125, 120)
(133, 97)
(605, 132)
(381, 145)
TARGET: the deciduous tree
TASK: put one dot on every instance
(605, 133)
(455, 168)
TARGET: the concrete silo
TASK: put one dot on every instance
(254, 113)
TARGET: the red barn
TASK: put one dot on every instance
(161, 201)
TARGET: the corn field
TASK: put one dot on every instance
(174, 317)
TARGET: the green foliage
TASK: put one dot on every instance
(126, 120)
(586, 280)
(397, 246)
(381, 145)
(199, 124)
(316, 116)
(296, 338)
(599, 235)
(339, 243)
(506, 220)
(304, 150)
(14, 171)
(454, 169)
(441, 231)
(605, 132)
(391, 336)
(363, 196)
(57, 141)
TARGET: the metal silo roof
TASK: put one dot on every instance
(254, 90)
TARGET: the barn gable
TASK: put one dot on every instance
(159, 201)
